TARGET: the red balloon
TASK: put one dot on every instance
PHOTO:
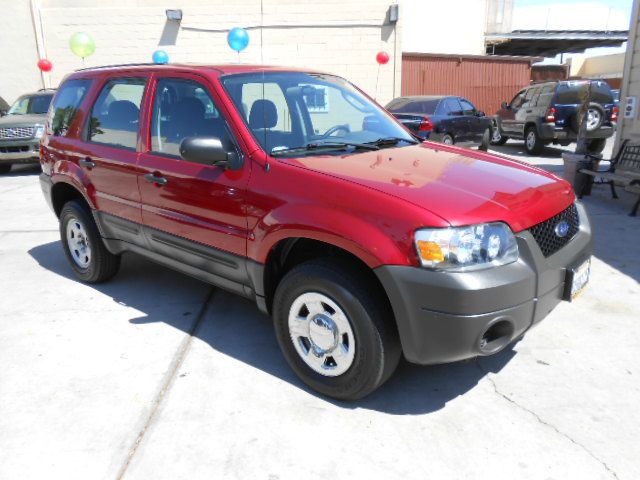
(45, 65)
(382, 58)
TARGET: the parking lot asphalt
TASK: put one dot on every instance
(157, 375)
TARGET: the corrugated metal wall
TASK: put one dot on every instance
(485, 80)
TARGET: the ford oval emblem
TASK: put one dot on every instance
(561, 228)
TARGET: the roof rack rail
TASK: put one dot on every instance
(119, 65)
(47, 88)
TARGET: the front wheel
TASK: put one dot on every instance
(447, 139)
(532, 141)
(496, 137)
(85, 251)
(335, 329)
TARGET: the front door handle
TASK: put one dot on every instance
(87, 163)
(157, 179)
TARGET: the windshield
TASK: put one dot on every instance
(31, 104)
(291, 110)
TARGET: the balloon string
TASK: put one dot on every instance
(377, 76)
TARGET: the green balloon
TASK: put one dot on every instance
(82, 44)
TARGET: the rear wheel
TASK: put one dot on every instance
(532, 141)
(335, 329)
(5, 168)
(85, 251)
(486, 139)
(447, 139)
(596, 145)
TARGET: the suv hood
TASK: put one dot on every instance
(23, 120)
(462, 186)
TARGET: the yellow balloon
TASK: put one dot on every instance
(82, 44)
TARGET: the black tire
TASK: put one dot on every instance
(596, 145)
(102, 265)
(447, 139)
(377, 346)
(535, 146)
(486, 139)
(497, 138)
(5, 168)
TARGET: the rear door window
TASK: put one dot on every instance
(467, 107)
(545, 96)
(452, 106)
(115, 117)
(66, 104)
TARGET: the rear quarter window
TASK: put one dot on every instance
(66, 104)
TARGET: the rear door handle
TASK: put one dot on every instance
(157, 179)
(87, 162)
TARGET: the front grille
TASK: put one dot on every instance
(17, 132)
(545, 234)
(16, 149)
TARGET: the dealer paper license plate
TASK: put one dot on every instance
(579, 278)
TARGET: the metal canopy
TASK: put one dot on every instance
(549, 43)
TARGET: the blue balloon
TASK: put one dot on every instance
(160, 56)
(238, 39)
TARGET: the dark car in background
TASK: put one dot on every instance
(546, 113)
(22, 128)
(446, 119)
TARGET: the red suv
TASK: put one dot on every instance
(293, 188)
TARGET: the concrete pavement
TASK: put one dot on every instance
(156, 375)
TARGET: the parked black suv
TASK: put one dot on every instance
(546, 113)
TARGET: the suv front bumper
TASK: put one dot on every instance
(20, 151)
(447, 316)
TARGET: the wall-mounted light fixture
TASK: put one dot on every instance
(174, 15)
(394, 13)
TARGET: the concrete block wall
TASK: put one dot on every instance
(18, 52)
(337, 36)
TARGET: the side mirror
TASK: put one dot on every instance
(481, 114)
(209, 151)
(505, 106)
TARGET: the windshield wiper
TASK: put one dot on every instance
(326, 146)
(391, 141)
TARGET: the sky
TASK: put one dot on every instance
(574, 15)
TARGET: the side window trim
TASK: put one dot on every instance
(86, 131)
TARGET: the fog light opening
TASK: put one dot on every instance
(496, 337)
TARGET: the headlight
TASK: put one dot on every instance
(38, 132)
(466, 248)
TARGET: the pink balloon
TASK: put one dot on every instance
(382, 58)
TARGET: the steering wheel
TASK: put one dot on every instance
(336, 128)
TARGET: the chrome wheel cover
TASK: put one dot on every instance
(496, 137)
(321, 334)
(593, 119)
(447, 140)
(78, 242)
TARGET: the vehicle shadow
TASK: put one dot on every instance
(517, 149)
(23, 170)
(235, 327)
